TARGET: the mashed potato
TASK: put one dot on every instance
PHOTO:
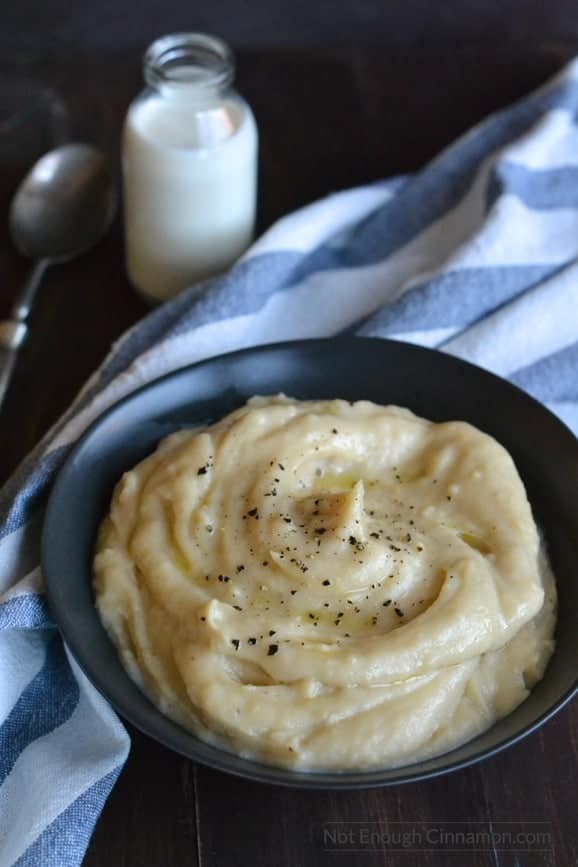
(327, 585)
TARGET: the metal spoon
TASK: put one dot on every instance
(62, 208)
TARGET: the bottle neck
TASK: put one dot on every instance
(189, 67)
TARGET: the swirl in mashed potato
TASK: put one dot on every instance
(327, 585)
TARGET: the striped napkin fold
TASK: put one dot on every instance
(476, 255)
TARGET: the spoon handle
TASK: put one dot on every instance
(14, 330)
(25, 299)
(12, 333)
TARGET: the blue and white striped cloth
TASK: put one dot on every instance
(476, 255)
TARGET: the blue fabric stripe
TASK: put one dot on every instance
(551, 379)
(455, 298)
(27, 488)
(46, 703)
(25, 612)
(540, 189)
(65, 840)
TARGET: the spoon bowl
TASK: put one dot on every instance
(64, 205)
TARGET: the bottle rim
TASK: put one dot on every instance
(187, 60)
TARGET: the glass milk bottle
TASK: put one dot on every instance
(189, 167)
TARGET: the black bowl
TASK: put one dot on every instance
(430, 383)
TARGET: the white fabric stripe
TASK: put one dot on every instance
(430, 338)
(30, 585)
(22, 654)
(558, 149)
(515, 235)
(19, 553)
(55, 770)
(533, 326)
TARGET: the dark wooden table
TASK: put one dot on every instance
(332, 114)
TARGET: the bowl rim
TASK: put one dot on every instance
(220, 759)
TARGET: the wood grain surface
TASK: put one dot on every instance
(344, 94)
